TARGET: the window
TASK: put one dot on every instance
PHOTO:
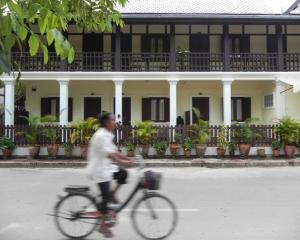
(269, 101)
(155, 109)
(240, 108)
(50, 106)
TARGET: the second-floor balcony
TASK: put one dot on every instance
(162, 62)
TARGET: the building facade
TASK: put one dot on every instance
(231, 60)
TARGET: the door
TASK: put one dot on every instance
(126, 110)
(92, 106)
(92, 45)
(240, 43)
(201, 103)
(199, 43)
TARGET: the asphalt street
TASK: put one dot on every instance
(213, 204)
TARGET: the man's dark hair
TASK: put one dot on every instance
(103, 117)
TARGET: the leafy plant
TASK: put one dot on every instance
(160, 146)
(84, 130)
(6, 143)
(188, 144)
(130, 146)
(243, 131)
(200, 129)
(276, 145)
(50, 130)
(68, 146)
(32, 134)
(288, 130)
(145, 132)
(222, 142)
(232, 146)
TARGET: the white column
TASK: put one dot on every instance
(118, 99)
(9, 100)
(173, 101)
(227, 101)
(279, 99)
(63, 101)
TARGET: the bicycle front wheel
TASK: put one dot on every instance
(154, 217)
(74, 216)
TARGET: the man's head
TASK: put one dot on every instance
(107, 120)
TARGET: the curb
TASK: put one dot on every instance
(208, 163)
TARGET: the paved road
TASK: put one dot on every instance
(216, 204)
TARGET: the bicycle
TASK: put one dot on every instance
(146, 212)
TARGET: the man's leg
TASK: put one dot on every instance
(121, 178)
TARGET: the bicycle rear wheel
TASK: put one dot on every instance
(154, 217)
(72, 216)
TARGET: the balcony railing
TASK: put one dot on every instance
(162, 62)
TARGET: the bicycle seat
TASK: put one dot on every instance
(77, 188)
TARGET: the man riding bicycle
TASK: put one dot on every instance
(106, 163)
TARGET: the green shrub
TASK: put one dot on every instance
(276, 145)
(188, 144)
(288, 130)
(6, 143)
(161, 146)
(222, 142)
(145, 132)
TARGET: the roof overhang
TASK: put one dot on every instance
(292, 80)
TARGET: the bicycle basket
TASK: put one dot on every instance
(151, 180)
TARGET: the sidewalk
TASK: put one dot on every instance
(207, 162)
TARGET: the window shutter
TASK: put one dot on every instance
(167, 109)
(246, 108)
(146, 109)
(145, 43)
(57, 108)
(245, 44)
(45, 106)
(70, 109)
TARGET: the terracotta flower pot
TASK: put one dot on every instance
(261, 152)
(174, 149)
(187, 153)
(7, 153)
(68, 153)
(221, 152)
(84, 151)
(145, 149)
(161, 153)
(275, 152)
(33, 152)
(201, 149)
(130, 153)
(244, 149)
(52, 151)
(289, 150)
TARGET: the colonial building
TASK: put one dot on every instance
(232, 59)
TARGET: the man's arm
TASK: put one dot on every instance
(120, 159)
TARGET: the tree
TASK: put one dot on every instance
(53, 17)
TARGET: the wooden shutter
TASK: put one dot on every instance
(146, 109)
(245, 44)
(70, 109)
(166, 44)
(246, 108)
(272, 46)
(92, 42)
(167, 109)
(45, 107)
(145, 43)
(126, 43)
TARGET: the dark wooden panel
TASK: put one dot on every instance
(92, 106)
(202, 103)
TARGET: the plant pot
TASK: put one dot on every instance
(201, 149)
(174, 149)
(33, 152)
(84, 151)
(244, 149)
(161, 153)
(7, 153)
(221, 152)
(52, 151)
(68, 153)
(187, 153)
(275, 152)
(145, 149)
(289, 150)
(261, 152)
(231, 153)
(130, 153)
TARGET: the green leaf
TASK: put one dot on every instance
(33, 44)
(16, 9)
(43, 20)
(9, 41)
(32, 12)
(50, 37)
(71, 55)
(5, 25)
(45, 53)
(5, 65)
(22, 32)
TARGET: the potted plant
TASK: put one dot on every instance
(276, 146)
(261, 152)
(201, 133)
(83, 132)
(222, 142)
(52, 133)
(232, 147)
(7, 147)
(160, 148)
(130, 147)
(145, 133)
(175, 145)
(187, 147)
(288, 130)
(68, 147)
(32, 136)
(245, 134)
